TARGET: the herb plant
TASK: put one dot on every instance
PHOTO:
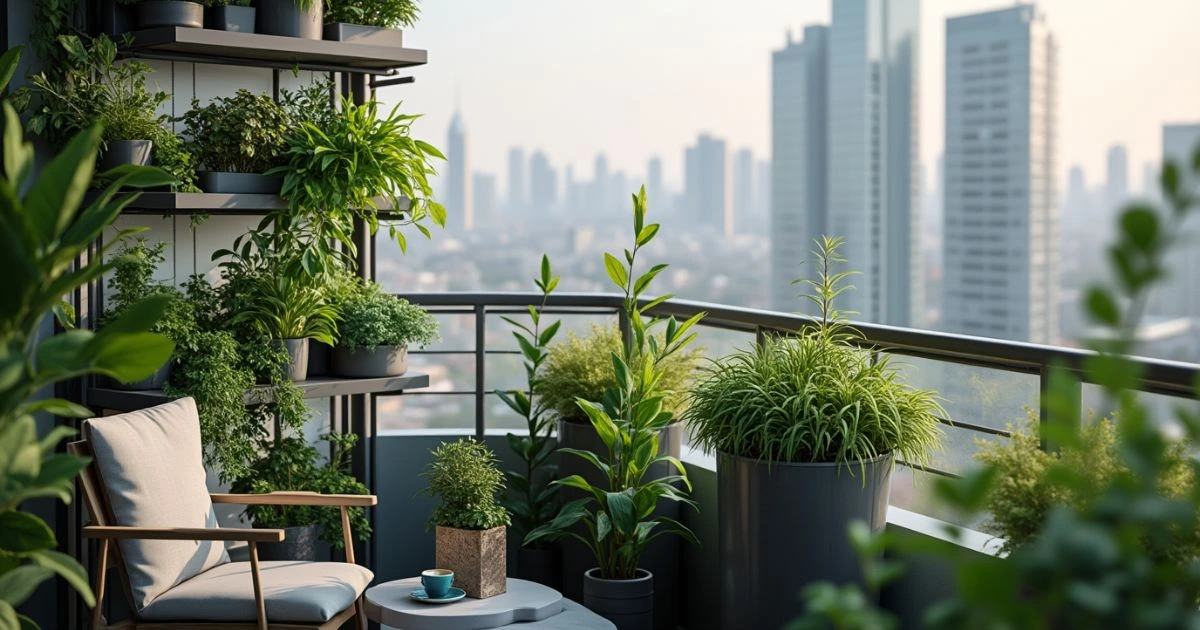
(243, 133)
(372, 318)
(463, 476)
(132, 280)
(618, 514)
(382, 13)
(531, 498)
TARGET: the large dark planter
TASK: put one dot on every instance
(369, 35)
(154, 381)
(231, 18)
(155, 13)
(299, 543)
(121, 152)
(629, 604)
(283, 17)
(543, 565)
(297, 349)
(376, 362)
(244, 183)
(114, 18)
(662, 554)
(783, 526)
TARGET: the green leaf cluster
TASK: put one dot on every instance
(465, 478)
(369, 318)
(44, 227)
(243, 133)
(382, 13)
(618, 514)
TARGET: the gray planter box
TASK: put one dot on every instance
(629, 604)
(244, 183)
(662, 554)
(231, 18)
(155, 13)
(783, 527)
(154, 381)
(121, 152)
(369, 35)
(378, 362)
(284, 18)
(299, 544)
(297, 349)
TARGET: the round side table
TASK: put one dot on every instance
(390, 604)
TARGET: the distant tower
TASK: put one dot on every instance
(1001, 209)
(484, 198)
(654, 187)
(600, 204)
(706, 184)
(1116, 187)
(543, 184)
(458, 201)
(1180, 295)
(517, 181)
(743, 188)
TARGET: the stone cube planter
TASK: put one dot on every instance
(477, 558)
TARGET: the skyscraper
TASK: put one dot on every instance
(1001, 212)
(799, 154)
(598, 202)
(517, 182)
(543, 184)
(1116, 187)
(1179, 296)
(743, 188)
(873, 153)
(484, 195)
(458, 203)
(706, 184)
(655, 196)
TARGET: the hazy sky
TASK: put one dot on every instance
(635, 78)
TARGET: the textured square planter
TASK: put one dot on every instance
(476, 557)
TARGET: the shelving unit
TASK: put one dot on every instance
(233, 204)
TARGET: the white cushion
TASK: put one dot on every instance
(306, 592)
(151, 467)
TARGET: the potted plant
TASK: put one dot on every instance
(290, 18)
(374, 22)
(290, 310)
(230, 15)
(292, 464)
(236, 140)
(806, 430)
(618, 514)
(156, 13)
(374, 332)
(531, 498)
(469, 523)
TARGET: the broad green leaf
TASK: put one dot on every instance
(133, 357)
(58, 190)
(1103, 307)
(24, 532)
(620, 510)
(17, 585)
(616, 271)
(8, 66)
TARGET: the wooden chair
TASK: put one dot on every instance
(201, 589)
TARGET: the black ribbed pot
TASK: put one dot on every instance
(284, 18)
(122, 152)
(155, 13)
(299, 544)
(231, 18)
(662, 554)
(629, 604)
(542, 565)
(783, 527)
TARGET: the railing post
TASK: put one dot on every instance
(480, 364)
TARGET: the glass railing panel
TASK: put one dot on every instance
(425, 411)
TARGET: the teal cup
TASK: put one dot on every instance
(437, 582)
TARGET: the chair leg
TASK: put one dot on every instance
(360, 614)
(258, 593)
(101, 570)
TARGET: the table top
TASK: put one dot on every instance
(389, 604)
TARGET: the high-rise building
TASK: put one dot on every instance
(1116, 187)
(873, 154)
(598, 202)
(543, 184)
(799, 155)
(706, 184)
(458, 199)
(743, 188)
(762, 192)
(655, 195)
(1150, 180)
(1001, 210)
(1179, 296)
(517, 181)
(484, 198)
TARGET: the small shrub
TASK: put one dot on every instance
(371, 318)
(465, 478)
(243, 133)
(384, 13)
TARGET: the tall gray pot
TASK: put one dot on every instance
(662, 554)
(297, 349)
(121, 152)
(283, 17)
(629, 604)
(783, 526)
(299, 543)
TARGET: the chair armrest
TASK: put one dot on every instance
(298, 498)
(236, 534)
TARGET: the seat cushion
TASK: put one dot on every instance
(308, 592)
(151, 467)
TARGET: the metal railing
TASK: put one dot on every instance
(1170, 378)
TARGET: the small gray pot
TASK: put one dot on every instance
(629, 604)
(121, 152)
(299, 544)
(244, 183)
(368, 35)
(154, 381)
(379, 362)
(283, 17)
(297, 349)
(231, 18)
(155, 13)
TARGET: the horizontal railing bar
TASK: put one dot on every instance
(929, 469)
(970, 426)
(428, 352)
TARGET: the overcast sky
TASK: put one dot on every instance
(635, 78)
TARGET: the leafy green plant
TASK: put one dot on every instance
(292, 464)
(618, 515)
(44, 226)
(243, 133)
(371, 318)
(463, 476)
(815, 397)
(382, 13)
(132, 280)
(531, 498)
(284, 307)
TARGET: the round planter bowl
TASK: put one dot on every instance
(783, 526)
(156, 13)
(284, 18)
(629, 604)
(122, 152)
(378, 362)
(299, 544)
(297, 349)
